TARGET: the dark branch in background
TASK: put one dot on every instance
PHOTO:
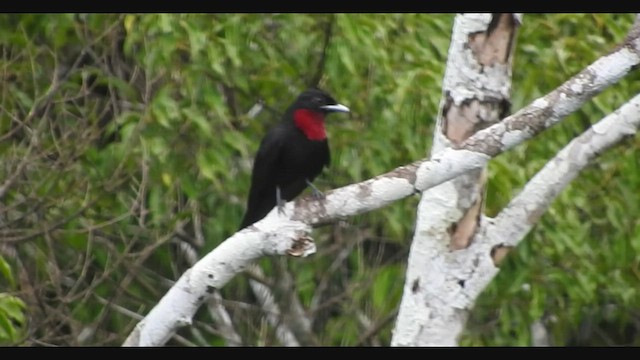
(59, 129)
(328, 32)
(293, 313)
(376, 328)
(232, 103)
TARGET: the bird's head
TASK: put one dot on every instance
(309, 110)
(320, 101)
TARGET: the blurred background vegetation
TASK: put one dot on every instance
(127, 141)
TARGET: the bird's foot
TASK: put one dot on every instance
(280, 201)
(281, 207)
(315, 192)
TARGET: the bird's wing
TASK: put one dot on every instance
(328, 161)
(262, 196)
(269, 155)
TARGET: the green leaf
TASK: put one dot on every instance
(5, 270)
(12, 318)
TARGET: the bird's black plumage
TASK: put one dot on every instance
(291, 154)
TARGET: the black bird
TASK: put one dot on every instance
(291, 155)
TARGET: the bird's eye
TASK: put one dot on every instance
(317, 100)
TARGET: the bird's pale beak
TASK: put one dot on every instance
(335, 108)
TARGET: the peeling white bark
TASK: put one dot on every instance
(465, 78)
(516, 220)
(450, 284)
(440, 284)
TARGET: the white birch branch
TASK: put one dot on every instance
(539, 334)
(476, 88)
(516, 220)
(216, 310)
(457, 279)
(271, 236)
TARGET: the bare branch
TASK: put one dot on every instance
(272, 312)
(225, 324)
(515, 221)
(375, 328)
(328, 32)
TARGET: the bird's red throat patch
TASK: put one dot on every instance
(311, 123)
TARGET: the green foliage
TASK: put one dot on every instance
(147, 142)
(13, 319)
